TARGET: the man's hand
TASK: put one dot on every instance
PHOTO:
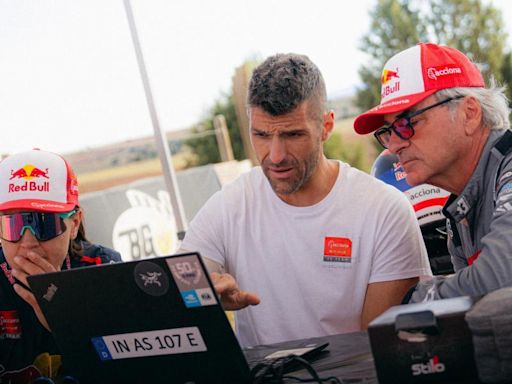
(31, 264)
(232, 297)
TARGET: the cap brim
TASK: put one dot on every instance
(37, 205)
(374, 118)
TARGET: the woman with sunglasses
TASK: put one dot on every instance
(41, 231)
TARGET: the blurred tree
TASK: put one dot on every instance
(204, 143)
(468, 25)
(353, 153)
(506, 72)
(472, 27)
(394, 27)
(333, 147)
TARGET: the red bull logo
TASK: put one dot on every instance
(30, 186)
(387, 75)
(399, 171)
(28, 172)
(387, 90)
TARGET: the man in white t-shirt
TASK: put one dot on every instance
(324, 247)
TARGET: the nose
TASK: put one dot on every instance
(396, 144)
(28, 240)
(277, 150)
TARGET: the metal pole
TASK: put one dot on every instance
(161, 140)
(223, 140)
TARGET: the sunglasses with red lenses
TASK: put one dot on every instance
(43, 225)
(402, 126)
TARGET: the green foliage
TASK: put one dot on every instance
(472, 27)
(333, 147)
(468, 25)
(353, 154)
(394, 27)
(204, 143)
(506, 73)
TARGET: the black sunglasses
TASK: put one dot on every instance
(402, 126)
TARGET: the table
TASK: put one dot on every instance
(348, 357)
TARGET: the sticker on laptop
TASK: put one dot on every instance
(191, 281)
(149, 343)
(151, 278)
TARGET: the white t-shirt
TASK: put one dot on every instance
(310, 266)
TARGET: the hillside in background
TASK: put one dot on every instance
(109, 172)
(121, 163)
(120, 154)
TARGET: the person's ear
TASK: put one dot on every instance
(328, 125)
(76, 219)
(472, 115)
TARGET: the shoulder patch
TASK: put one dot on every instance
(505, 177)
(503, 193)
(505, 189)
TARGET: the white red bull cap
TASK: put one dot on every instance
(37, 181)
(414, 74)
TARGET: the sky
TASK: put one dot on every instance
(69, 78)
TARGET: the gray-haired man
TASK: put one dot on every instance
(451, 131)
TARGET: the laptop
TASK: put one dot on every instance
(147, 321)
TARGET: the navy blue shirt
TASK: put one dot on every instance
(27, 349)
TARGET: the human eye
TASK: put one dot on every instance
(293, 134)
(383, 129)
(258, 133)
(401, 125)
(413, 120)
(414, 117)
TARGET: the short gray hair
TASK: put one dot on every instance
(494, 102)
(283, 81)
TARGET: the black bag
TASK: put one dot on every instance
(490, 322)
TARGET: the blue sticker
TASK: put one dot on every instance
(101, 348)
(505, 189)
(190, 298)
(395, 178)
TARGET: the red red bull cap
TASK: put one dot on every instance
(38, 181)
(414, 74)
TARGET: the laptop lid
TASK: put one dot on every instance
(151, 320)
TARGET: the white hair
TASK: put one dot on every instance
(494, 102)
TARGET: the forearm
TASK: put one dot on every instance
(485, 275)
(382, 295)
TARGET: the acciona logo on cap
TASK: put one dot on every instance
(434, 73)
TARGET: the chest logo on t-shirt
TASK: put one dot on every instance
(338, 249)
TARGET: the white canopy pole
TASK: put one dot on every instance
(161, 140)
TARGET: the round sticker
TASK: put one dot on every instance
(151, 278)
